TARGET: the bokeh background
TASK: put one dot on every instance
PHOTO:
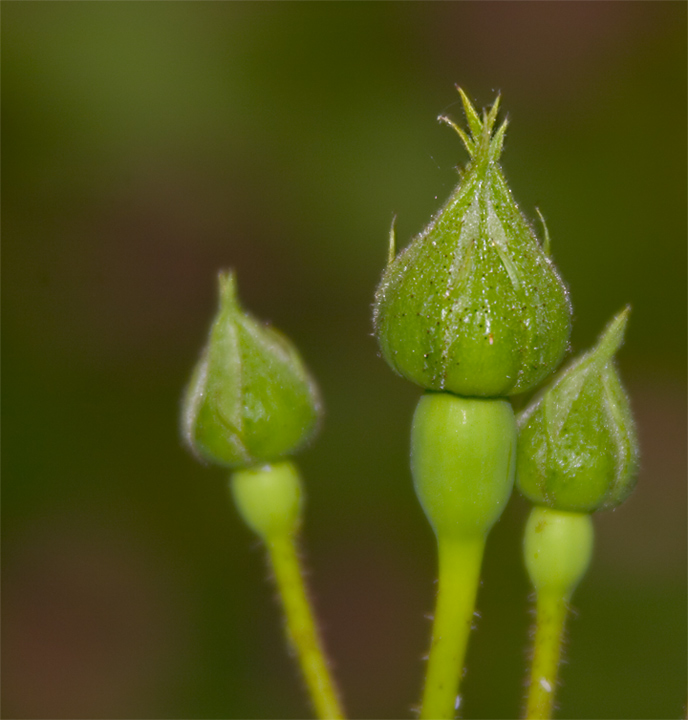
(146, 146)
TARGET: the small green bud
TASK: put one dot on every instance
(557, 547)
(250, 400)
(577, 446)
(463, 453)
(269, 499)
(473, 305)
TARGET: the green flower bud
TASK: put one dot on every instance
(269, 499)
(463, 453)
(577, 446)
(557, 547)
(473, 305)
(250, 399)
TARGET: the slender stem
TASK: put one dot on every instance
(300, 626)
(549, 628)
(459, 575)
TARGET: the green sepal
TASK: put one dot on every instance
(463, 455)
(577, 447)
(250, 399)
(473, 305)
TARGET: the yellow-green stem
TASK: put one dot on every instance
(459, 576)
(549, 629)
(301, 628)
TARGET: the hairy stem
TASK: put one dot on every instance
(300, 626)
(549, 628)
(459, 575)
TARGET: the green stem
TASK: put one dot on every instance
(549, 629)
(459, 576)
(300, 626)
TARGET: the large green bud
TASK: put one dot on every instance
(250, 399)
(473, 305)
(577, 445)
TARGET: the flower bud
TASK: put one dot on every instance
(250, 400)
(577, 445)
(473, 305)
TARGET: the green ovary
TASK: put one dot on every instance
(463, 459)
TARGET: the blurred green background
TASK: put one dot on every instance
(148, 145)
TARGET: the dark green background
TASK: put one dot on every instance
(146, 146)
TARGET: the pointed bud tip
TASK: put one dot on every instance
(228, 290)
(613, 335)
(497, 142)
(474, 122)
(467, 104)
(481, 129)
(492, 115)
(227, 284)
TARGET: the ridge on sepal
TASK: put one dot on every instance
(474, 306)
(250, 399)
(577, 446)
